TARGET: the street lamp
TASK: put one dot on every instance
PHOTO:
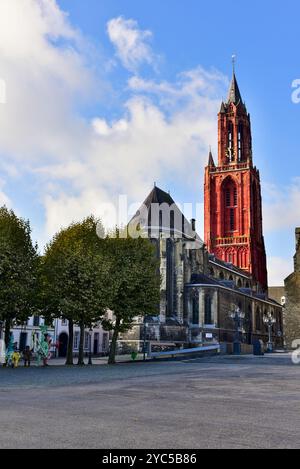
(269, 321)
(90, 346)
(237, 316)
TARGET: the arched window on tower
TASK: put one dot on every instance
(255, 209)
(230, 198)
(230, 143)
(240, 142)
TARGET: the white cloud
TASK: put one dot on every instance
(74, 164)
(131, 43)
(44, 67)
(281, 206)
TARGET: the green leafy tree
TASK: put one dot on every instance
(18, 270)
(74, 279)
(135, 285)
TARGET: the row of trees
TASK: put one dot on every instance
(79, 278)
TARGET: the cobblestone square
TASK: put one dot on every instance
(217, 402)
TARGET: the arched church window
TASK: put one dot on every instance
(240, 142)
(172, 217)
(195, 317)
(235, 197)
(239, 283)
(232, 220)
(160, 221)
(221, 276)
(230, 142)
(207, 310)
(230, 201)
(257, 320)
(228, 198)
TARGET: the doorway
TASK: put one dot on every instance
(63, 345)
(96, 343)
(23, 341)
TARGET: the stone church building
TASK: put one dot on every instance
(203, 282)
(292, 292)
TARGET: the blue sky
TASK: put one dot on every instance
(89, 115)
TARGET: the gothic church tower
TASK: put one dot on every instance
(232, 193)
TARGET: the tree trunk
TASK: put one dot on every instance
(113, 345)
(80, 351)
(69, 360)
(7, 332)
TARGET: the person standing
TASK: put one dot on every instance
(27, 356)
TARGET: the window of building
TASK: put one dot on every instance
(228, 198)
(232, 220)
(195, 305)
(230, 204)
(172, 222)
(230, 142)
(240, 142)
(36, 321)
(105, 342)
(76, 340)
(160, 221)
(235, 197)
(207, 310)
(258, 320)
(64, 322)
(86, 341)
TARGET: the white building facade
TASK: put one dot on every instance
(96, 340)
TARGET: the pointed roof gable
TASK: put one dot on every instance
(211, 160)
(223, 109)
(158, 196)
(182, 228)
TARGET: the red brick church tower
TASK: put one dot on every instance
(232, 196)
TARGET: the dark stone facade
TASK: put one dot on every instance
(198, 291)
(292, 291)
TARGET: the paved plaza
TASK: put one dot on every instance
(217, 402)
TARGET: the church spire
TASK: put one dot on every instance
(234, 95)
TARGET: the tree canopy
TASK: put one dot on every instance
(134, 271)
(18, 270)
(74, 278)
